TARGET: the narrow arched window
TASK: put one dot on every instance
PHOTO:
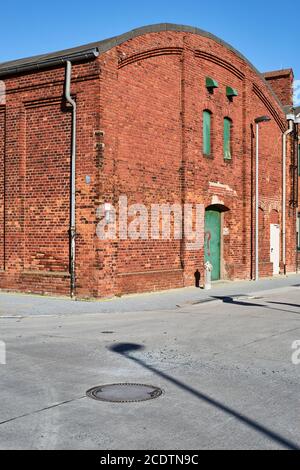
(207, 132)
(227, 138)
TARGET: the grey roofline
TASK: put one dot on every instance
(278, 73)
(107, 44)
(290, 109)
(34, 66)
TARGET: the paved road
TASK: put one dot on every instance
(225, 368)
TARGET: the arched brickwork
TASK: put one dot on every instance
(140, 107)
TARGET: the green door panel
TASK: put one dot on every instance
(212, 246)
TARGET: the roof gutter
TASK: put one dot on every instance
(36, 66)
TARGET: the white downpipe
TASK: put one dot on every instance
(70, 100)
(286, 133)
(256, 205)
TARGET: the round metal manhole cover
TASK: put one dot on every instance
(124, 392)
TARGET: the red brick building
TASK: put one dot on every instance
(164, 114)
(297, 151)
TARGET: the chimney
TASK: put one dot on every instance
(281, 82)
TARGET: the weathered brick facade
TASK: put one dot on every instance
(139, 134)
(297, 152)
(281, 82)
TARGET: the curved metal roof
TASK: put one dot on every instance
(16, 66)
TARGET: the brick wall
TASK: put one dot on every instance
(139, 126)
(37, 143)
(46, 188)
(2, 150)
(281, 81)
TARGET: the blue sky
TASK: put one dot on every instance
(258, 29)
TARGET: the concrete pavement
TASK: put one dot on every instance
(225, 368)
(26, 305)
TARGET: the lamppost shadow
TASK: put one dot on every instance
(243, 303)
(285, 303)
(126, 350)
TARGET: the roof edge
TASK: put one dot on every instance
(279, 73)
(107, 44)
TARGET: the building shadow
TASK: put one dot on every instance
(126, 350)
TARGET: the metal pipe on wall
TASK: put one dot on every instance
(297, 122)
(35, 66)
(256, 204)
(257, 121)
(72, 102)
(284, 142)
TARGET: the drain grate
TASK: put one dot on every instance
(124, 392)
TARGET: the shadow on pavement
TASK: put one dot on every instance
(125, 349)
(284, 303)
(233, 301)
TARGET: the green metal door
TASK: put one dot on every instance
(212, 250)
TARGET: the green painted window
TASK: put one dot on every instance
(206, 132)
(227, 138)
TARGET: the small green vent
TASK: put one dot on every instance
(210, 83)
(231, 92)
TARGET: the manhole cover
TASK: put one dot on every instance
(123, 393)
